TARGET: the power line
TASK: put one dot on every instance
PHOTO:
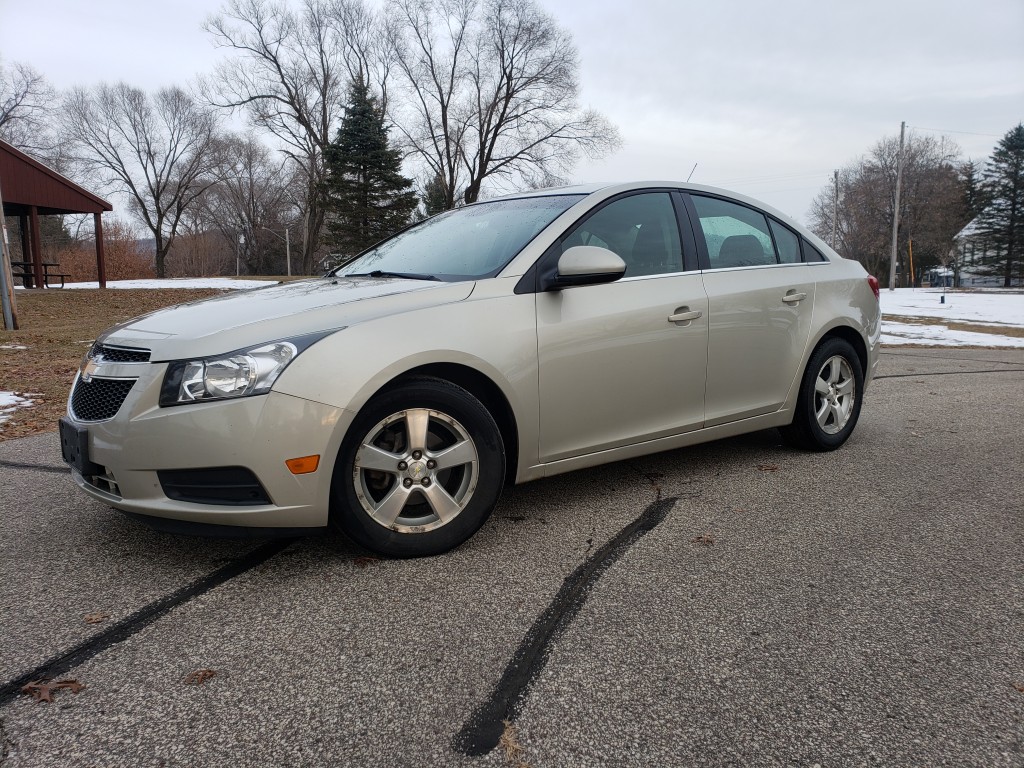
(778, 177)
(947, 130)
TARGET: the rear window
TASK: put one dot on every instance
(811, 253)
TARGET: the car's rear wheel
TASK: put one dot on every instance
(420, 471)
(830, 398)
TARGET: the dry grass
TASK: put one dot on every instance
(57, 327)
(510, 745)
(955, 325)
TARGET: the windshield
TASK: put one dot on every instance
(466, 243)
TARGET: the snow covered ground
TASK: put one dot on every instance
(918, 316)
(909, 317)
(225, 283)
(904, 311)
(11, 401)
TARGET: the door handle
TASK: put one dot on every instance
(793, 298)
(683, 315)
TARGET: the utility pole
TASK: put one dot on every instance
(835, 207)
(238, 252)
(287, 245)
(896, 211)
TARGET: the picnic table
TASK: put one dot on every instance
(24, 270)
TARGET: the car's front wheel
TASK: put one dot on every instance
(420, 471)
(831, 393)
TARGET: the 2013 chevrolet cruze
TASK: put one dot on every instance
(498, 343)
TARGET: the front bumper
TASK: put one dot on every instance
(256, 433)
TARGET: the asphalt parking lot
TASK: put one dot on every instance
(736, 603)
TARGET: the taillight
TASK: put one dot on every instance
(873, 282)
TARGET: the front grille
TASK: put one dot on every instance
(218, 485)
(99, 399)
(119, 354)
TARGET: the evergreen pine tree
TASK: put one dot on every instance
(1002, 220)
(366, 196)
(434, 199)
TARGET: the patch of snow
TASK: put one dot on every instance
(983, 308)
(10, 402)
(993, 309)
(223, 283)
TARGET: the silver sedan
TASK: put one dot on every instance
(494, 344)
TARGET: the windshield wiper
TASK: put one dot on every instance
(382, 273)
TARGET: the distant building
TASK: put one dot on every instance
(972, 251)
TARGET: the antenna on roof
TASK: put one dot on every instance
(691, 172)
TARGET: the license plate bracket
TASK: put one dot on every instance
(74, 447)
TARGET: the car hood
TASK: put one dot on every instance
(244, 318)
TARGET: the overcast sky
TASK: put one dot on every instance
(767, 98)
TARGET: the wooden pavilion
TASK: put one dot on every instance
(31, 190)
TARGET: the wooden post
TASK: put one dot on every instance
(8, 302)
(37, 247)
(101, 266)
(26, 251)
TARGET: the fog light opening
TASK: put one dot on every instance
(303, 465)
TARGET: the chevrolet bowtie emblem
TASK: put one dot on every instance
(88, 370)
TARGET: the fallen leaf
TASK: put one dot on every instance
(1018, 686)
(39, 690)
(364, 562)
(72, 685)
(98, 617)
(42, 690)
(706, 539)
(768, 467)
(199, 677)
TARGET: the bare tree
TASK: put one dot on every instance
(250, 202)
(493, 93)
(26, 107)
(933, 205)
(289, 74)
(433, 68)
(156, 149)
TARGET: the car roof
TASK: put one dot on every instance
(607, 189)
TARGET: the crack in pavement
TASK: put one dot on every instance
(945, 373)
(482, 732)
(947, 357)
(41, 467)
(62, 663)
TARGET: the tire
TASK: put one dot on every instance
(421, 469)
(829, 402)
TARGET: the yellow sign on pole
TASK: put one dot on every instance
(910, 250)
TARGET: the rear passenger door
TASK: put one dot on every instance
(760, 299)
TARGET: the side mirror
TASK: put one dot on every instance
(586, 265)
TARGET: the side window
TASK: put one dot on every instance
(641, 229)
(736, 236)
(787, 243)
(811, 253)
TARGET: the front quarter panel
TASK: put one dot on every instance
(492, 332)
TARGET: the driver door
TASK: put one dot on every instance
(623, 362)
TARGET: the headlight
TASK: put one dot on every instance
(245, 372)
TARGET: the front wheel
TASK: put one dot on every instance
(830, 397)
(420, 471)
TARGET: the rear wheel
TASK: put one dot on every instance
(420, 471)
(830, 398)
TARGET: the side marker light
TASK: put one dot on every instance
(303, 465)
